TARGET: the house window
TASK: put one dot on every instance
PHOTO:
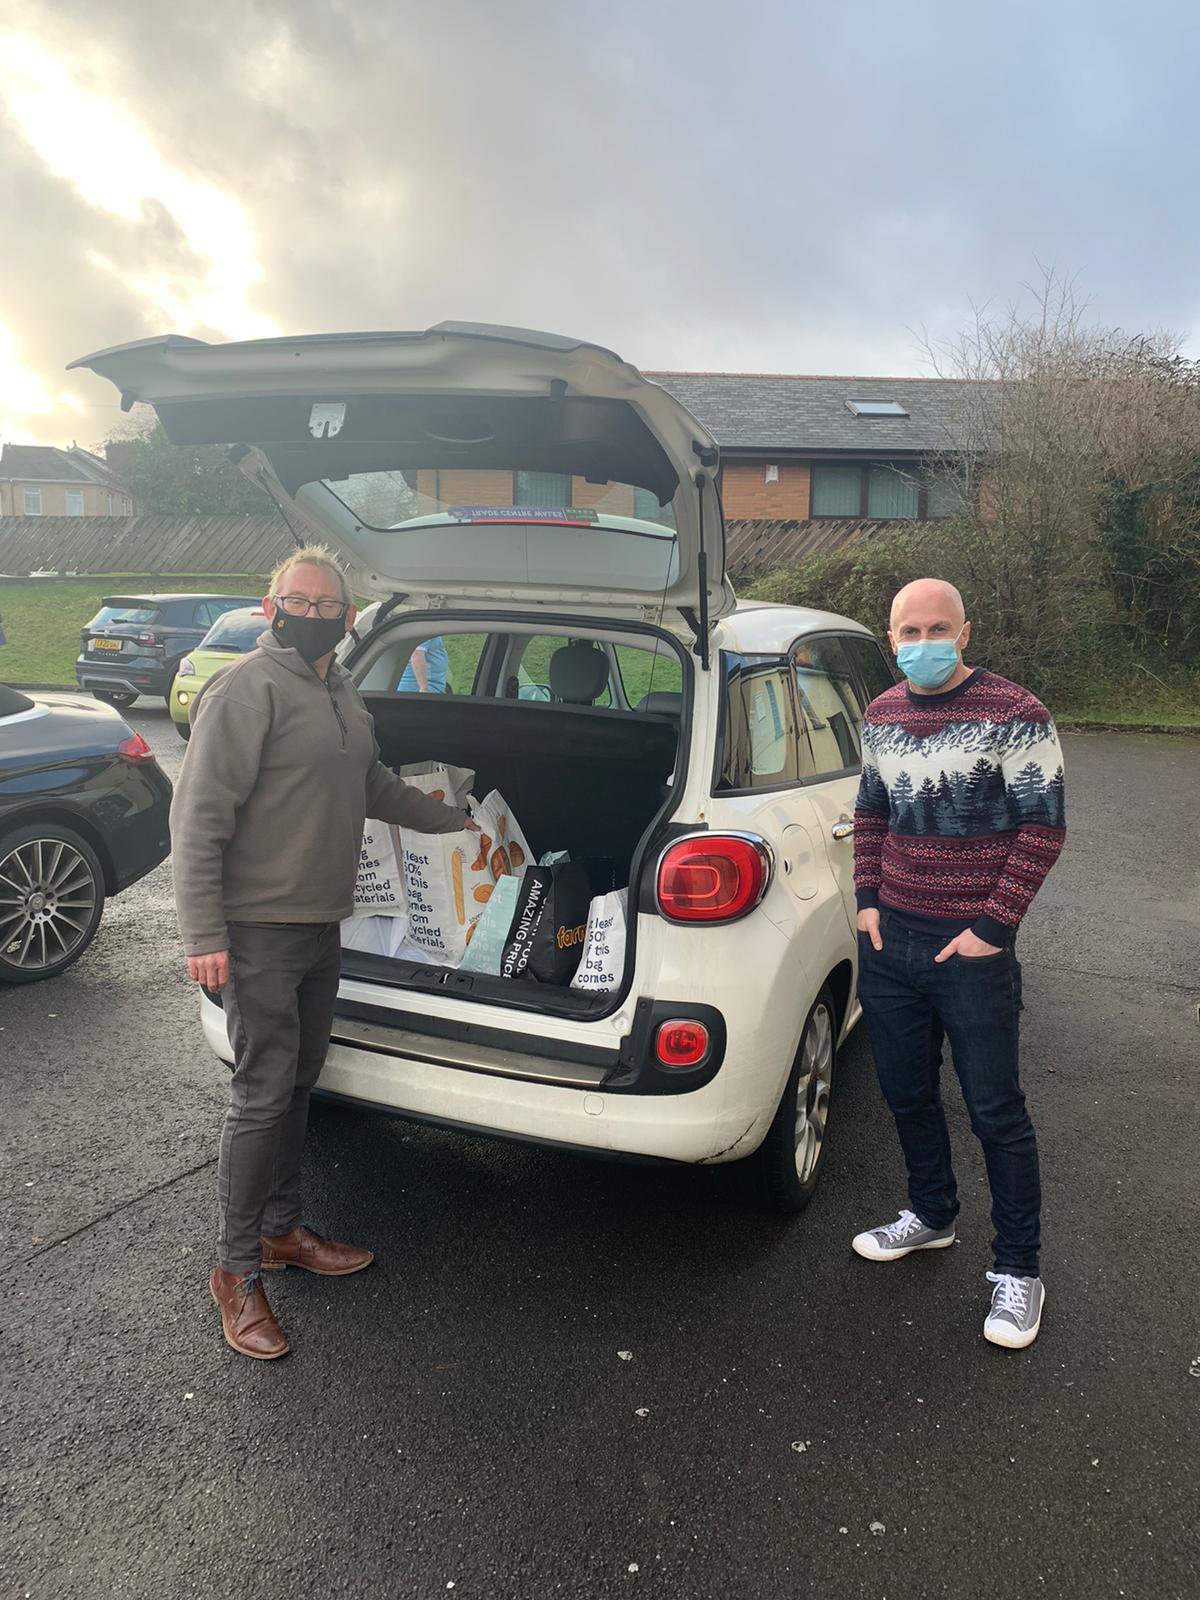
(836, 491)
(892, 491)
(647, 509)
(888, 490)
(946, 495)
(541, 489)
(109, 505)
(33, 502)
(876, 408)
(74, 502)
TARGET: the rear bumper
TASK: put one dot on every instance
(724, 1119)
(135, 674)
(143, 838)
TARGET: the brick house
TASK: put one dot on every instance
(38, 480)
(798, 449)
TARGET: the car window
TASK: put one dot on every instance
(108, 615)
(451, 659)
(527, 671)
(234, 632)
(831, 706)
(645, 671)
(760, 749)
(869, 661)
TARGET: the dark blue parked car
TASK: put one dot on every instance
(83, 814)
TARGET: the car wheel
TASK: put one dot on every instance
(51, 900)
(115, 697)
(183, 729)
(788, 1162)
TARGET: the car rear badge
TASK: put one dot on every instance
(326, 418)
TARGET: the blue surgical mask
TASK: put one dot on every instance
(929, 663)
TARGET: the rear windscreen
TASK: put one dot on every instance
(386, 499)
(107, 615)
(235, 633)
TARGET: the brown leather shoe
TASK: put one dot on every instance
(247, 1320)
(304, 1248)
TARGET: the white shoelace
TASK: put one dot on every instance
(903, 1225)
(1011, 1294)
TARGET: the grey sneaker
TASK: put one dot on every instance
(901, 1238)
(1016, 1313)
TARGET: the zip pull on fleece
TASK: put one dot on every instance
(337, 711)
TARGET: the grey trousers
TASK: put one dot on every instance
(283, 980)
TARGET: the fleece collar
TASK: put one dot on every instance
(295, 662)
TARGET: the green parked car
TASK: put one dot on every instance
(229, 637)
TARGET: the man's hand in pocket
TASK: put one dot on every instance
(970, 945)
(868, 923)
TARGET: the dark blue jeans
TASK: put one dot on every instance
(908, 1003)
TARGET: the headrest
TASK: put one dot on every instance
(578, 673)
(662, 703)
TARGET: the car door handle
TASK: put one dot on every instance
(842, 830)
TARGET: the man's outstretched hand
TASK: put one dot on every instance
(211, 970)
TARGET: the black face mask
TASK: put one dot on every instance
(311, 637)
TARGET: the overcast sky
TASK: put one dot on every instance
(797, 186)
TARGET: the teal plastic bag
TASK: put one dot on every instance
(492, 928)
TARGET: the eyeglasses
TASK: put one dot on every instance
(299, 605)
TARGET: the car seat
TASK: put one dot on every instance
(578, 673)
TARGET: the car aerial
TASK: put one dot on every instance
(554, 518)
(83, 814)
(135, 642)
(231, 635)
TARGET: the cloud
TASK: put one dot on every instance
(792, 186)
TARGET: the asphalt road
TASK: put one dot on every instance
(457, 1420)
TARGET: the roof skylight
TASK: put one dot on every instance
(876, 408)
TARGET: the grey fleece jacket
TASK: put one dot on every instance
(280, 772)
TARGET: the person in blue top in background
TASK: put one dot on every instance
(428, 670)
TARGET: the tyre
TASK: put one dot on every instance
(51, 901)
(787, 1165)
(115, 697)
(183, 729)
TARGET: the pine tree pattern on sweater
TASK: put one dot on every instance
(961, 810)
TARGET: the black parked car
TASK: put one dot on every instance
(83, 814)
(135, 642)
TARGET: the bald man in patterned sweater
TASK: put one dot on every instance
(959, 817)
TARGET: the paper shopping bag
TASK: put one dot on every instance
(603, 960)
(379, 884)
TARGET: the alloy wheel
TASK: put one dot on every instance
(47, 903)
(812, 1090)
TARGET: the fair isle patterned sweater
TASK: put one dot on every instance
(960, 813)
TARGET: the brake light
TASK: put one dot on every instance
(147, 638)
(713, 877)
(135, 749)
(681, 1043)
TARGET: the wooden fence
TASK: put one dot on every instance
(155, 544)
(148, 544)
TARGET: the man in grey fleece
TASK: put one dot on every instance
(281, 770)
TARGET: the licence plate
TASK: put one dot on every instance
(106, 644)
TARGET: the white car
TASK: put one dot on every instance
(554, 519)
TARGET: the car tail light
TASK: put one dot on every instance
(681, 1043)
(713, 877)
(147, 638)
(135, 749)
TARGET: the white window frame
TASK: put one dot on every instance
(36, 496)
(75, 496)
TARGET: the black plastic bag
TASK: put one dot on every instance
(545, 942)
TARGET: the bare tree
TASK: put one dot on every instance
(1078, 450)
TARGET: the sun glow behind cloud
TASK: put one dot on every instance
(111, 160)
